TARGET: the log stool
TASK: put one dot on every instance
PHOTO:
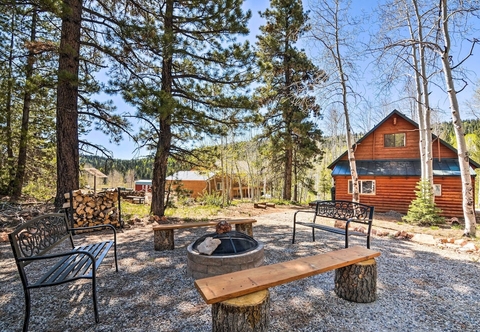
(163, 239)
(245, 229)
(357, 282)
(248, 313)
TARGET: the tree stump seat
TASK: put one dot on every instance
(220, 290)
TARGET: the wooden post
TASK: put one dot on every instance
(357, 282)
(248, 313)
(245, 228)
(163, 240)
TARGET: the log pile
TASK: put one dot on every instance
(94, 209)
(263, 205)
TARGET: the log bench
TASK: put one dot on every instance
(349, 212)
(163, 234)
(32, 243)
(242, 296)
(263, 205)
(137, 199)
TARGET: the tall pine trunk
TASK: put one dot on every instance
(164, 143)
(27, 100)
(67, 100)
(8, 106)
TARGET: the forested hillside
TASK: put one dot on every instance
(125, 172)
(141, 168)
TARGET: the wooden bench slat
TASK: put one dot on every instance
(76, 265)
(329, 228)
(200, 224)
(223, 287)
(350, 212)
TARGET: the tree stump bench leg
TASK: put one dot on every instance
(163, 240)
(357, 282)
(244, 228)
(248, 313)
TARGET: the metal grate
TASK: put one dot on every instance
(233, 243)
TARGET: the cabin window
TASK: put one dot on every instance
(219, 186)
(394, 140)
(437, 190)
(365, 187)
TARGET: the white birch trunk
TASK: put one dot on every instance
(463, 157)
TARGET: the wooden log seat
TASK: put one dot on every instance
(163, 234)
(357, 282)
(246, 313)
(137, 199)
(223, 288)
(350, 212)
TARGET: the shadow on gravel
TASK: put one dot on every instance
(419, 288)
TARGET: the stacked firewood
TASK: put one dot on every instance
(91, 209)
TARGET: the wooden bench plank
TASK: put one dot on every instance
(200, 224)
(329, 228)
(227, 286)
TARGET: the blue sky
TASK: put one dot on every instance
(126, 148)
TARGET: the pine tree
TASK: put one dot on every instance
(422, 210)
(186, 75)
(286, 74)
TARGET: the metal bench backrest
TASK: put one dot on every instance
(38, 236)
(343, 210)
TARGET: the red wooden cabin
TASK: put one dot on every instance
(388, 165)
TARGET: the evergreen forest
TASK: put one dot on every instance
(205, 90)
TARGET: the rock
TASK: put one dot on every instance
(424, 238)
(404, 235)
(340, 224)
(223, 227)
(3, 237)
(469, 247)
(208, 246)
(460, 242)
(454, 221)
(361, 229)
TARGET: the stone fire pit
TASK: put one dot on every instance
(203, 266)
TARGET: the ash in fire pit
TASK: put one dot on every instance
(236, 251)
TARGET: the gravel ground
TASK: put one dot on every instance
(420, 288)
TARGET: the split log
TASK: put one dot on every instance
(93, 209)
(357, 282)
(246, 313)
(259, 206)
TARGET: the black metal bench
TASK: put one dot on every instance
(31, 243)
(339, 210)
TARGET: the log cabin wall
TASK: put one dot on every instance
(395, 193)
(196, 188)
(372, 146)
